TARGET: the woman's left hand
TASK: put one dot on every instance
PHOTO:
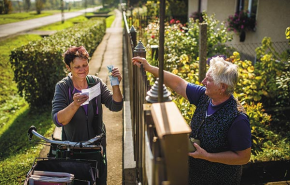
(116, 73)
(200, 153)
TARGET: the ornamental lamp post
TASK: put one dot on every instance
(161, 50)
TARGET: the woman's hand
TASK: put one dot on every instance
(116, 73)
(200, 153)
(139, 60)
(79, 98)
(228, 157)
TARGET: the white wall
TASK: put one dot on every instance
(221, 8)
(192, 6)
(273, 17)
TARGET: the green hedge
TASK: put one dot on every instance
(39, 65)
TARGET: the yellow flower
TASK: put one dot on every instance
(244, 64)
(266, 57)
(251, 69)
(175, 71)
(287, 33)
(184, 58)
(236, 54)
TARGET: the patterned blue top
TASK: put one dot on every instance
(219, 128)
(239, 134)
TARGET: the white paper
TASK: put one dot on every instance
(91, 92)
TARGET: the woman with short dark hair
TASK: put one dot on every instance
(81, 121)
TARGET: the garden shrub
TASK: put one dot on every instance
(246, 89)
(272, 67)
(283, 82)
(39, 65)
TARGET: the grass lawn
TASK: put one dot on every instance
(16, 17)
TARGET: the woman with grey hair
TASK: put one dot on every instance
(219, 124)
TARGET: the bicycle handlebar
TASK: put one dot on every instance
(32, 131)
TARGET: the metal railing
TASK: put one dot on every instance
(247, 50)
(159, 132)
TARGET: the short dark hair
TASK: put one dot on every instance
(74, 52)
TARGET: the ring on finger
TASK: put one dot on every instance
(78, 100)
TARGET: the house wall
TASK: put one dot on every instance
(273, 17)
(222, 8)
(192, 6)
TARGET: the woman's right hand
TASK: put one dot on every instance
(79, 98)
(140, 60)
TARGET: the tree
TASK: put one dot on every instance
(1, 6)
(136, 2)
(7, 6)
(39, 6)
(27, 5)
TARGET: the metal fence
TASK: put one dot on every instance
(158, 129)
(247, 50)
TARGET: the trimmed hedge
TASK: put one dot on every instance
(39, 65)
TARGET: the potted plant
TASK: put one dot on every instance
(240, 23)
(197, 16)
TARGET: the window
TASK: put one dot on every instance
(249, 6)
(202, 6)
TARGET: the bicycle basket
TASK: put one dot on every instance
(83, 170)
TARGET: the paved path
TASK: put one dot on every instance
(109, 52)
(18, 27)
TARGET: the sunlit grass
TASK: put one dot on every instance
(16, 17)
(109, 21)
(67, 24)
(16, 152)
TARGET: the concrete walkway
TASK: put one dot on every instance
(109, 52)
(18, 27)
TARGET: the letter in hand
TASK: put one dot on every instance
(114, 80)
(80, 98)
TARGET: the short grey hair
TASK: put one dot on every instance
(224, 72)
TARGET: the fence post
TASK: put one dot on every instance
(139, 50)
(172, 132)
(131, 11)
(138, 109)
(202, 50)
(133, 34)
(161, 50)
(154, 52)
